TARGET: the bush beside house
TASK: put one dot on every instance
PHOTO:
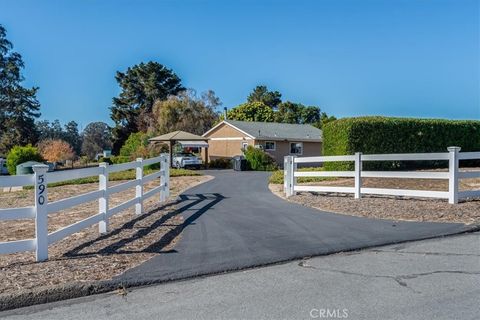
(220, 163)
(259, 160)
(374, 135)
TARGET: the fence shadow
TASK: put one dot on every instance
(198, 203)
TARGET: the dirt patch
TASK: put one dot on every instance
(390, 207)
(87, 256)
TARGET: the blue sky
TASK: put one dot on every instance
(351, 58)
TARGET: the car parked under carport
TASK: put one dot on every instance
(186, 160)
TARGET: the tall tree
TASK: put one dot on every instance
(96, 138)
(325, 118)
(18, 105)
(141, 86)
(252, 111)
(72, 136)
(53, 131)
(43, 129)
(186, 112)
(290, 112)
(269, 98)
(49, 130)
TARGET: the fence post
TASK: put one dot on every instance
(293, 179)
(289, 176)
(163, 169)
(167, 177)
(139, 187)
(103, 200)
(286, 175)
(41, 213)
(358, 175)
(453, 174)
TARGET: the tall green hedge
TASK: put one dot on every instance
(374, 135)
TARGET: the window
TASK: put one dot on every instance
(296, 148)
(270, 145)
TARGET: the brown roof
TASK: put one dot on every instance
(178, 136)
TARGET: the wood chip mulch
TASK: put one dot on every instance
(87, 256)
(390, 207)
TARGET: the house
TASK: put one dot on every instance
(228, 138)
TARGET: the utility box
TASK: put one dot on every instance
(26, 167)
(239, 163)
(3, 166)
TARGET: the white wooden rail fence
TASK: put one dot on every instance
(42, 207)
(453, 175)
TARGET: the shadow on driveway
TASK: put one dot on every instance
(234, 222)
(185, 202)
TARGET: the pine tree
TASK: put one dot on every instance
(18, 105)
(142, 85)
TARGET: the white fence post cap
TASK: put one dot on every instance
(451, 149)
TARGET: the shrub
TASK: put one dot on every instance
(18, 155)
(377, 135)
(136, 146)
(56, 150)
(84, 160)
(220, 163)
(105, 159)
(174, 172)
(119, 159)
(259, 160)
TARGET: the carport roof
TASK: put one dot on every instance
(178, 136)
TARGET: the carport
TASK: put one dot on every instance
(185, 139)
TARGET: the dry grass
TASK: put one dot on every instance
(86, 256)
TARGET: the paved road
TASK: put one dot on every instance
(431, 279)
(234, 222)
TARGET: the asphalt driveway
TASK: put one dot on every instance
(234, 222)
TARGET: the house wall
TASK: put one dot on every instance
(282, 149)
(229, 143)
(225, 131)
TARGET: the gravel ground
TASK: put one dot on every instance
(86, 256)
(394, 208)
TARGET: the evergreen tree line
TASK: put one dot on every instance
(152, 101)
